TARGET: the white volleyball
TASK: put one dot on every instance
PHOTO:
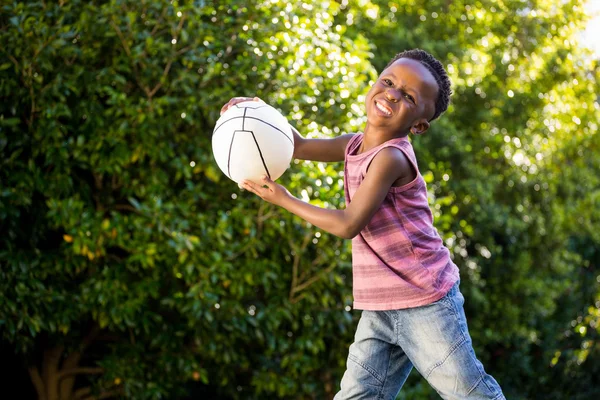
(252, 139)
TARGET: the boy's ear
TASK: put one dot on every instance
(420, 127)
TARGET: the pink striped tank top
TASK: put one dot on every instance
(398, 259)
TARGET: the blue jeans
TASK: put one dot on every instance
(432, 338)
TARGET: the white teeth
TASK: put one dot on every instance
(382, 108)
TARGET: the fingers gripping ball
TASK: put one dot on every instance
(252, 139)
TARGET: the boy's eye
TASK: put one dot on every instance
(409, 97)
(388, 82)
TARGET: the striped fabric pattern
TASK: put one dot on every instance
(398, 259)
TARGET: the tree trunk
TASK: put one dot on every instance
(72, 361)
(38, 383)
(50, 367)
(58, 372)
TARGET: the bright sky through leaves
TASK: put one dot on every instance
(591, 36)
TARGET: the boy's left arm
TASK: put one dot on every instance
(389, 165)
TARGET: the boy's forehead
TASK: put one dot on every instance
(412, 73)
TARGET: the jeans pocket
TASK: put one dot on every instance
(447, 300)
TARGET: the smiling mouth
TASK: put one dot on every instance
(382, 108)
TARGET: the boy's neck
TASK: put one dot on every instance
(373, 137)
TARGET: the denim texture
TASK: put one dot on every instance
(432, 338)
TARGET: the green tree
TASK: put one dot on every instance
(130, 265)
(513, 192)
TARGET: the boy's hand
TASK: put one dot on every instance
(267, 190)
(236, 100)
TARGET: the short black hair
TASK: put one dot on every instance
(437, 70)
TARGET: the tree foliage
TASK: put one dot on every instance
(509, 178)
(125, 248)
(131, 267)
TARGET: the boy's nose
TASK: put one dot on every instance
(391, 96)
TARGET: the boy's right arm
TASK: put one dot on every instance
(327, 150)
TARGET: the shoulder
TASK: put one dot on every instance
(350, 139)
(390, 161)
(391, 157)
(350, 143)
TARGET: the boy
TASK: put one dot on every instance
(403, 277)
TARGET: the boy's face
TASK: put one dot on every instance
(403, 98)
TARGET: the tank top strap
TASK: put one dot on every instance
(353, 143)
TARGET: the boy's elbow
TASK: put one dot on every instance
(344, 235)
(348, 231)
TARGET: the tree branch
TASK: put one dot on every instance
(127, 207)
(170, 62)
(72, 360)
(81, 393)
(164, 75)
(43, 46)
(36, 379)
(121, 37)
(183, 50)
(296, 299)
(314, 263)
(160, 19)
(78, 371)
(259, 219)
(312, 280)
(14, 60)
(32, 95)
(296, 263)
(244, 248)
(128, 51)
